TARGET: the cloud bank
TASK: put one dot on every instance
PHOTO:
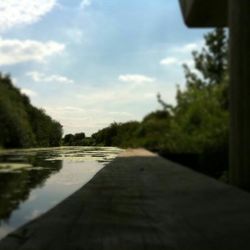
(29, 92)
(40, 77)
(135, 78)
(18, 12)
(13, 51)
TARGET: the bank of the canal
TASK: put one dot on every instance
(142, 201)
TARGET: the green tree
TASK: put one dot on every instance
(211, 62)
(68, 140)
(79, 139)
(21, 124)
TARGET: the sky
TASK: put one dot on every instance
(89, 63)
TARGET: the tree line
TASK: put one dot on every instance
(21, 124)
(195, 131)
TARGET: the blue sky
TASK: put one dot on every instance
(89, 63)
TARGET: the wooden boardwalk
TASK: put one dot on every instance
(142, 201)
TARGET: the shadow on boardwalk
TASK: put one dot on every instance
(142, 201)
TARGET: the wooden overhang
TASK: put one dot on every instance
(205, 13)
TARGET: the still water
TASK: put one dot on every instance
(35, 180)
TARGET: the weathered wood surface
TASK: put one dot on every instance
(142, 201)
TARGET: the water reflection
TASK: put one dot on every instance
(33, 181)
(15, 185)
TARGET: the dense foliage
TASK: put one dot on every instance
(78, 139)
(195, 130)
(21, 124)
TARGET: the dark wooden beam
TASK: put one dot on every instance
(235, 14)
(239, 23)
(205, 13)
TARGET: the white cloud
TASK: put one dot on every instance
(188, 47)
(74, 109)
(14, 81)
(13, 51)
(135, 78)
(29, 92)
(85, 3)
(169, 61)
(121, 96)
(172, 61)
(40, 77)
(182, 54)
(77, 119)
(16, 12)
(90, 108)
(117, 102)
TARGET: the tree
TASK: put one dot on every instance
(21, 124)
(212, 62)
(166, 107)
(68, 140)
(79, 139)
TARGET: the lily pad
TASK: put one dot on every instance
(10, 166)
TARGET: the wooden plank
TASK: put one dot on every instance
(240, 93)
(142, 201)
(200, 13)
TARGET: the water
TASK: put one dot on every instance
(35, 180)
